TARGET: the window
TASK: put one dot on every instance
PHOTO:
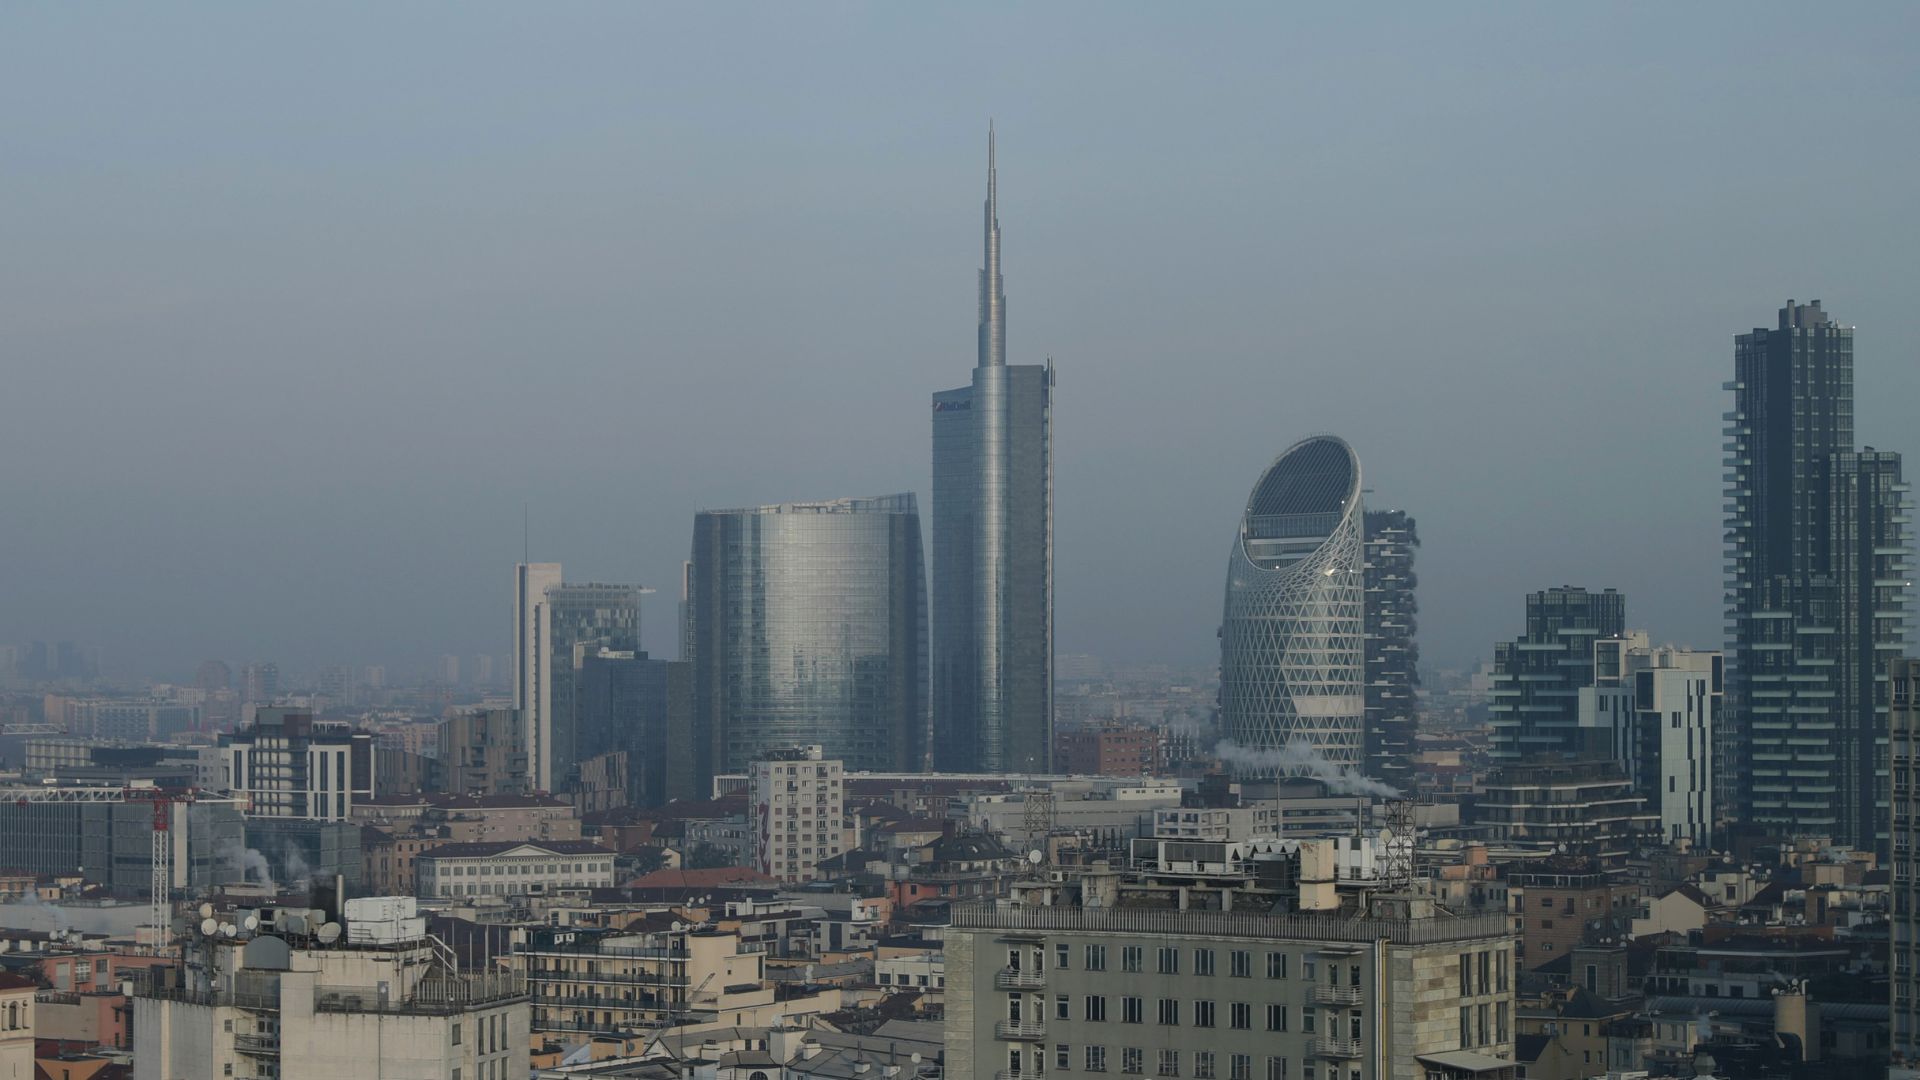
(1307, 970)
(1203, 1065)
(1466, 1027)
(1502, 969)
(1276, 1018)
(1169, 1063)
(1170, 1012)
(1062, 1007)
(1132, 1061)
(1277, 969)
(1203, 962)
(1240, 1016)
(1486, 966)
(1130, 958)
(1276, 1068)
(1240, 964)
(1096, 1059)
(1353, 975)
(1306, 1019)
(1096, 958)
(1096, 1009)
(1353, 1025)
(1169, 960)
(1132, 1010)
(1466, 974)
(1240, 1067)
(1060, 954)
(456, 1027)
(1063, 1056)
(1203, 1014)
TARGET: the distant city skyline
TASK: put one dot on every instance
(287, 364)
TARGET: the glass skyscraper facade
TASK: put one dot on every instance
(993, 549)
(554, 624)
(809, 627)
(1817, 567)
(1292, 663)
(1537, 677)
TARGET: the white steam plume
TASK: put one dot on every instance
(1299, 758)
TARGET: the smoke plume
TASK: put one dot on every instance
(247, 862)
(1299, 758)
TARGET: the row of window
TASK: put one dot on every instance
(1493, 968)
(510, 869)
(1200, 1064)
(1167, 960)
(1204, 1014)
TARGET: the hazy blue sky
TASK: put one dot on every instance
(299, 307)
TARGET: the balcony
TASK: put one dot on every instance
(1018, 1074)
(1020, 1030)
(257, 1044)
(1015, 979)
(1334, 1046)
(1336, 995)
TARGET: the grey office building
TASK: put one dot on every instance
(555, 625)
(993, 548)
(632, 702)
(809, 627)
(1817, 569)
(1537, 677)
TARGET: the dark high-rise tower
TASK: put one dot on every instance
(1537, 677)
(1816, 585)
(1393, 655)
(993, 548)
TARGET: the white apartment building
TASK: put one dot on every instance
(797, 812)
(1658, 712)
(289, 1003)
(287, 765)
(511, 868)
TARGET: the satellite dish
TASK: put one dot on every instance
(809, 973)
(251, 922)
(226, 929)
(677, 927)
(914, 1057)
(209, 927)
(329, 933)
(1035, 857)
(206, 911)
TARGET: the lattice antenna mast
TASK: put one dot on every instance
(1398, 873)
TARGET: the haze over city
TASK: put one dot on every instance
(302, 313)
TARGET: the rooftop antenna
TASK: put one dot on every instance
(526, 532)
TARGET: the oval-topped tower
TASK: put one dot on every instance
(1292, 662)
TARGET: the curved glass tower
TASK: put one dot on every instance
(1292, 663)
(809, 626)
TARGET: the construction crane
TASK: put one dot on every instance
(163, 801)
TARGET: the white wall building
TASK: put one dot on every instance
(16, 1026)
(511, 868)
(533, 666)
(286, 1005)
(287, 765)
(1657, 710)
(797, 812)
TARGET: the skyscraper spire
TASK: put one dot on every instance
(993, 297)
